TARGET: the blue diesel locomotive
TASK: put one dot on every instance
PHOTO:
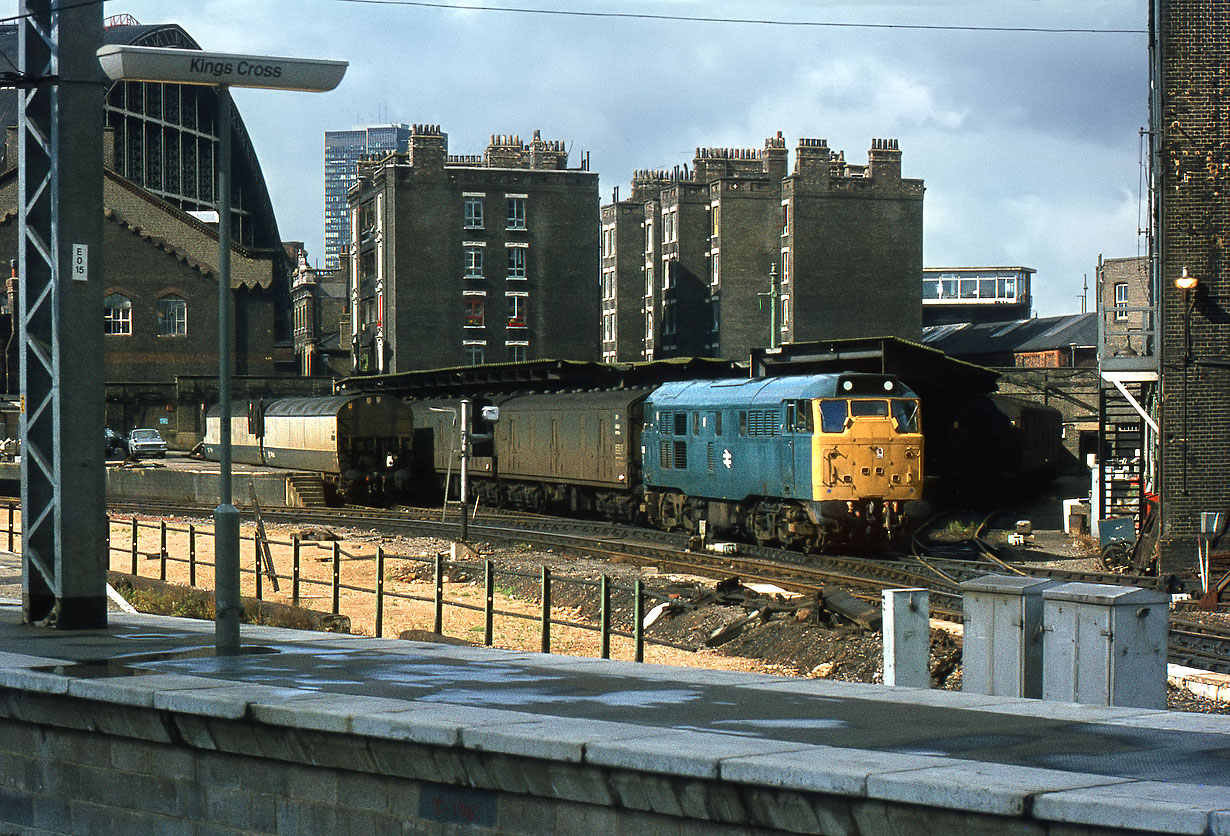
(807, 462)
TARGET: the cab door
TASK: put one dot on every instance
(786, 447)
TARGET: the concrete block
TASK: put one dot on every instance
(225, 702)
(338, 751)
(439, 724)
(526, 815)
(323, 712)
(123, 721)
(788, 812)
(570, 782)
(1001, 789)
(16, 808)
(52, 814)
(142, 758)
(1077, 712)
(874, 816)
(23, 660)
(560, 738)
(1138, 805)
(140, 690)
(1179, 721)
(643, 791)
(696, 754)
(362, 792)
(907, 638)
(824, 769)
(24, 679)
(583, 820)
(241, 809)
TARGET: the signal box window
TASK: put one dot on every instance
(172, 316)
(1121, 300)
(117, 314)
(833, 416)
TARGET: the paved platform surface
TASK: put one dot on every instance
(1119, 767)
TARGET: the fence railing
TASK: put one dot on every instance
(141, 541)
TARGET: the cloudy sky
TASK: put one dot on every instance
(1028, 141)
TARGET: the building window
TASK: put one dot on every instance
(669, 274)
(117, 314)
(785, 267)
(518, 311)
(516, 213)
(473, 311)
(1121, 300)
(474, 262)
(716, 213)
(648, 280)
(172, 316)
(785, 218)
(516, 262)
(475, 355)
(518, 352)
(648, 236)
(785, 311)
(715, 319)
(716, 278)
(668, 316)
(474, 213)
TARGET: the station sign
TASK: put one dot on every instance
(215, 69)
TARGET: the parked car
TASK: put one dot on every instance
(114, 442)
(146, 442)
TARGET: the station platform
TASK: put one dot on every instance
(310, 732)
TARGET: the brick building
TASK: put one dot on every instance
(741, 252)
(320, 310)
(1191, 133)
(1127, 304)
(463, 260)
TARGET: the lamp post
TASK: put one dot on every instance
(1187, 284)
(222, 71)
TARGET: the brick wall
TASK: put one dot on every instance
(1194, 228)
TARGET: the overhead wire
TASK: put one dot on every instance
(749, 21)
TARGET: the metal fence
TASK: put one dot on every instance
(150, 540)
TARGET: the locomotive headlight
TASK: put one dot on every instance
(888, 386)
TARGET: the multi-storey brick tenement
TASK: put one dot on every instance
(462, 260)
(1190, 117)
(741, 252)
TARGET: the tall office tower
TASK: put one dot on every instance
(343, 150)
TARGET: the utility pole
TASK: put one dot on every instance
(773, 296)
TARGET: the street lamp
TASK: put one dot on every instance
(222, 71)
(1188, 285)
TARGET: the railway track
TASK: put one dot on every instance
(940, 571)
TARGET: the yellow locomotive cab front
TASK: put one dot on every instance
(867, 448)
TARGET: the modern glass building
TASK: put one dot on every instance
(343, 150)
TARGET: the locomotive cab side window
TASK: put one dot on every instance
(833, 416)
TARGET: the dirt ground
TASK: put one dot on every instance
(796, 638)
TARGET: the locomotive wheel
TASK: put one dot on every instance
(764, 524)
(1115, 558)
